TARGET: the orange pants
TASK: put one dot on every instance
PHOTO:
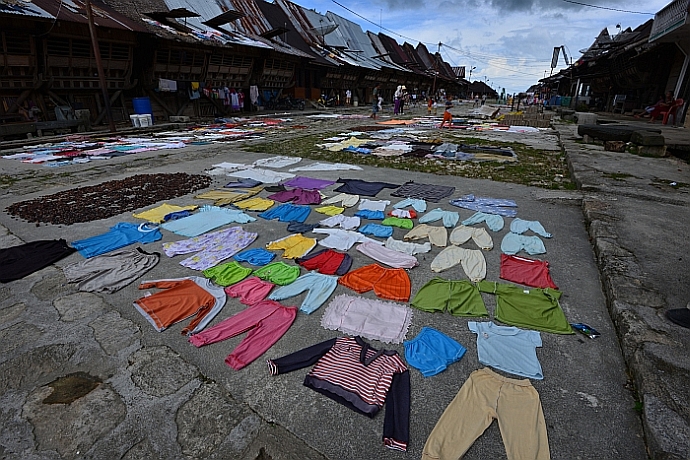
(387, 283)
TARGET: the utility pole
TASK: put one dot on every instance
(433, 89)
(99, 66)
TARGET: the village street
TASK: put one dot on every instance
(122, 390)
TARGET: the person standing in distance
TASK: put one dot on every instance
(375, 103)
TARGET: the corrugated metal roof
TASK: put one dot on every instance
(24, 8)
(75, 11)
(254, 24)
(277, 18)
(300, 20)
(358, 43)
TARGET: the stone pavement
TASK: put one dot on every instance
(143, 394)
(638, 223)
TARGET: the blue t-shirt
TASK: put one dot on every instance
(508, 349)
(119, 236)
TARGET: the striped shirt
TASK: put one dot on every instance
(352, 373)
(427, 192)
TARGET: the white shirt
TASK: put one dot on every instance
(344, 222)
(373, 205)
(341, 239)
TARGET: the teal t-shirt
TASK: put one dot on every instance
(508, 349)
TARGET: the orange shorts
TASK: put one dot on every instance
(387, 283)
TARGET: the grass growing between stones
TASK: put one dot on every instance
(535, 167)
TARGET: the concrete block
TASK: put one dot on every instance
(586, 118)
(647, 138)
(178, 119)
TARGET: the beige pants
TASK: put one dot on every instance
(438, 236)
(486, 396)
(479, 235)
(473, 262)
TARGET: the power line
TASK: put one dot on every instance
(447, 46)
(607, 8)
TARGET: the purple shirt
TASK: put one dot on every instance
(308, 183)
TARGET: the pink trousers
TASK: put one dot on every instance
(265, 322)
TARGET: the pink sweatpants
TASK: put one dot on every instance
(266, 322)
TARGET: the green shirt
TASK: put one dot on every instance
(532, 308)
(227, 274)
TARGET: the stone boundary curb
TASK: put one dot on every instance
(660, 381)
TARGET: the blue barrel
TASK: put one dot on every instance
(142, 105)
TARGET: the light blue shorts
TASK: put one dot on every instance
(432, 351)
(381, 231)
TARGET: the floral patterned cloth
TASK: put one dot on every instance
(213, 247)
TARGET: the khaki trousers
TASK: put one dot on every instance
(486, 396)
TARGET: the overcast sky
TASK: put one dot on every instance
(510, 42)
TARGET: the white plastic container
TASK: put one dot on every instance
(145, 120)
(136, 123)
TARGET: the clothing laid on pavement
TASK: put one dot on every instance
(250, 291)
(327, 262)
(212, 248)
(361, 187)
(208, 218)
(299, 227)
(371, 318)
(110, 272)
(449, 218)
(344, 222)
(371, 215)
(480, 236)
(341, 239)
(373, 205)
(297, 196)
(254, 203)
(181, 298)
(265, 323)
(120, 235)
(438, 236)
(407, 248)
(262, 175)
(513, 243)
(530, 272)
(432, 351)
(497, 206)
(532, 308)
(387, 283)
(403, 213)
(320, 288)
(407, 224)
(387, 256)
(345, 199)
(521, 226)
(428, 192)
(351, 372)
(278, 273)
(330, 210)
(486, 396)
(157, 214)
(287, 213)
(417, 204)
(459, 298)
(16, 262)
(295, 245)
(508, 349)
(255, 256)
(225, 197)
(381, 231)
(309, 183)
(493, 221)
(472, 260)
(227, 274)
